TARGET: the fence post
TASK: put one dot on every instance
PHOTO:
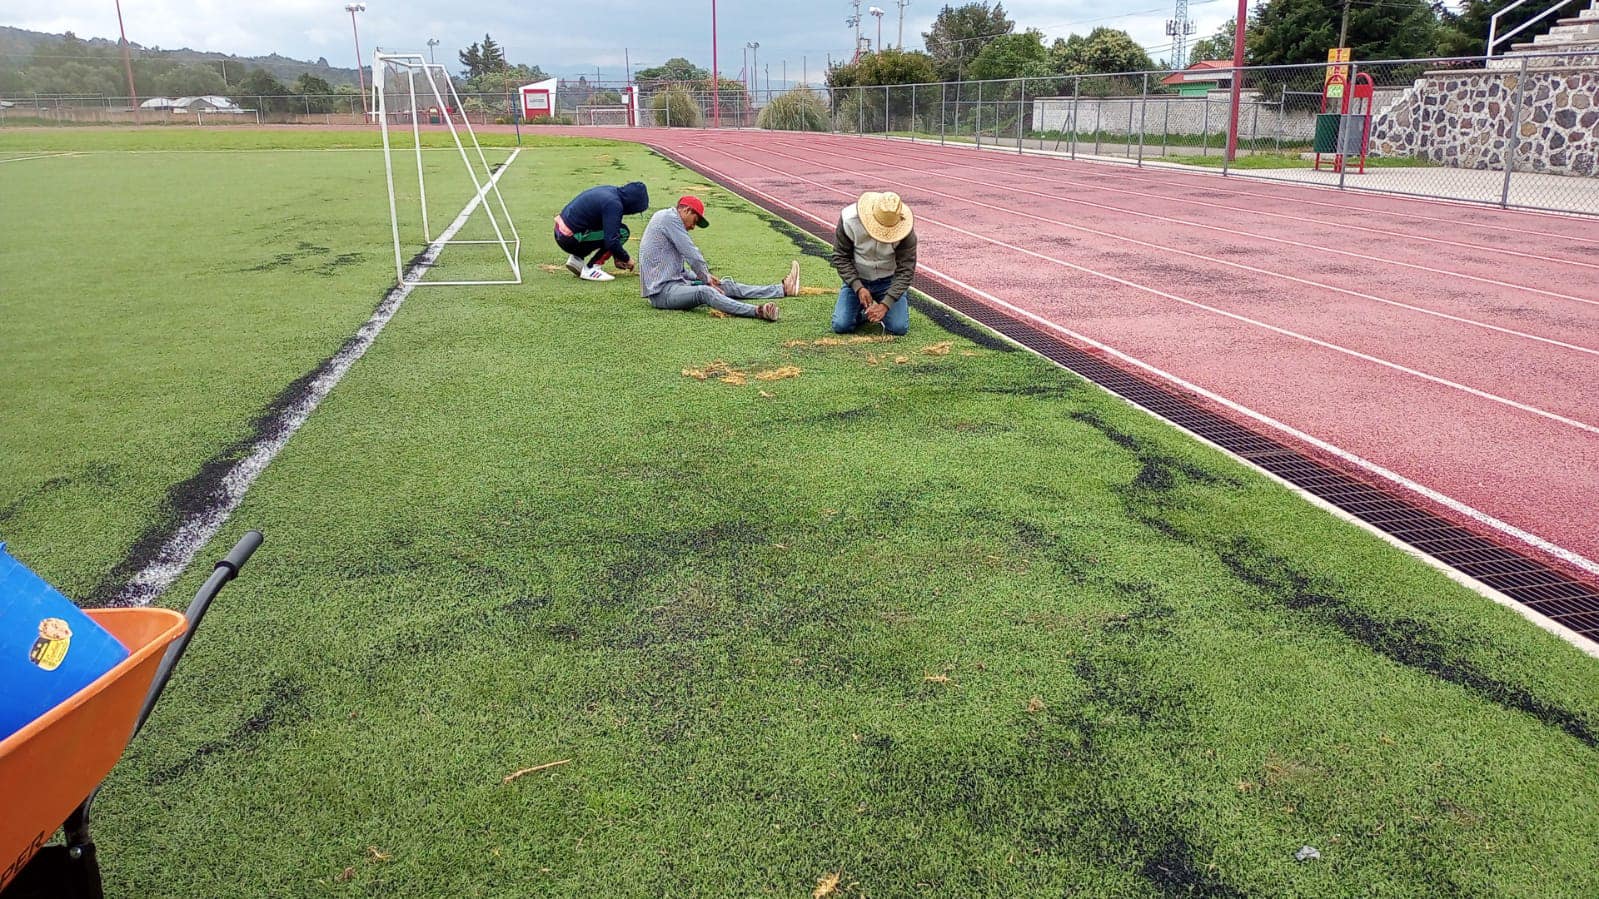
(1204, 129)
(1143, 118)
(1165, 128)
(1099, 121)
(1343, 122)
(1515, 135)
(886, 114)
(913, 113)
(977, 123)
(943, 101)
(1021, 114)
(1077, 90)
(1227, 158)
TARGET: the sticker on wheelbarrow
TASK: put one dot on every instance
(55, 636)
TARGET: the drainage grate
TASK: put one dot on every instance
(1522, 576)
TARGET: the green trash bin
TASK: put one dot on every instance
(1326, 140)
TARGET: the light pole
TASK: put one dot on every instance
(360, 73)
(902, 5)
(716, 75)
(750, 81)
(127, 64)
(878, 13)
(855, 23)
(1238, 80)
(432, 42)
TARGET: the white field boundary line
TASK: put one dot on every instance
(1314, 341)
(1342, 226)
(1582, 643)
(1154, 164)
(1236, 233)
(196, 530)
(1166, 249)
(40, 156)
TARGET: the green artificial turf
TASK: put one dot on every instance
(939, 623)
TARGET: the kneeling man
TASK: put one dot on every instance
(874, 251)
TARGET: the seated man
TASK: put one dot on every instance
(874, 251)
(592, 223)
(675, 276)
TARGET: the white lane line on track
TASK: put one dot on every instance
(1455, 385)
(1170, 250)
(196, 529)
(40, 156)
(1296, 219)
(1483, 518)
(1245, 176)
(1282, 240)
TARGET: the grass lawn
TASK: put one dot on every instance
(930, 616)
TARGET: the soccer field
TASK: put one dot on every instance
(928, 616)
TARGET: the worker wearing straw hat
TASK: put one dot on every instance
(874, 251)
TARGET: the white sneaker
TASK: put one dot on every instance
(590, 273)
(574, 265)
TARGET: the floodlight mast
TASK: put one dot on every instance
(352, 9)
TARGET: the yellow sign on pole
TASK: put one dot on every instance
(1335, 56)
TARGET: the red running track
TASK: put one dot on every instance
(1454, 349)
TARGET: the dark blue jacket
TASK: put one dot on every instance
(601, 209)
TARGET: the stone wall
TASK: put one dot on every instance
(1259, 118)
(1463, 119)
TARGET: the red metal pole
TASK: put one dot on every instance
(1238, 79)
(360, 73)
(127, 64)
(716, 75)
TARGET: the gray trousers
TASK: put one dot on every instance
(683, 295)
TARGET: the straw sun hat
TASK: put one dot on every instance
(885, 216)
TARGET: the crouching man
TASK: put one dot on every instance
(591, 225)
(874, 251)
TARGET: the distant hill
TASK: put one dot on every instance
(17, 46)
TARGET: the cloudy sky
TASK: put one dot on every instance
(571, 38)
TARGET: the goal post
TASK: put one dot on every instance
(395, 84)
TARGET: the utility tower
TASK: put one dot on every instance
(1180, 28)
(902, 5)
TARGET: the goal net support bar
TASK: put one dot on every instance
(485, 180)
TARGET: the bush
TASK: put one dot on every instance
(550, 120)
(676, 109)
(858, 111)
(798, 110)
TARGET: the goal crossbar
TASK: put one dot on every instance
(485, 181)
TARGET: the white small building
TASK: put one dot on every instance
(207, 103)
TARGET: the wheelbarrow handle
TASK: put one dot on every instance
(76, 828)
(226, 570)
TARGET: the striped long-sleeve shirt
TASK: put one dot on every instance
(667, 254)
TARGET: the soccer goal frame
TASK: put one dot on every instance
(485, 179)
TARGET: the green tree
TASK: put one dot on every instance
(1465, 32)
(262, 90)
(1020, 55)
(483, 59)
(315, 92)
(960, 33)
(1102, 51)
(674, 71)
(188, 81)
(1285, 32)
(1217, 46)
(885, 67)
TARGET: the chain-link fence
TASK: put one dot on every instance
(1514, 131)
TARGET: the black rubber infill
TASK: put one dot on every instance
(1521, 575)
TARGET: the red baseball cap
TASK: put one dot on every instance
(695, 204)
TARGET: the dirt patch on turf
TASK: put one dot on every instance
(95, 475)
(283, 707)
(1406, 641)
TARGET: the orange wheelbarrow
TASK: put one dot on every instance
(51, 769)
